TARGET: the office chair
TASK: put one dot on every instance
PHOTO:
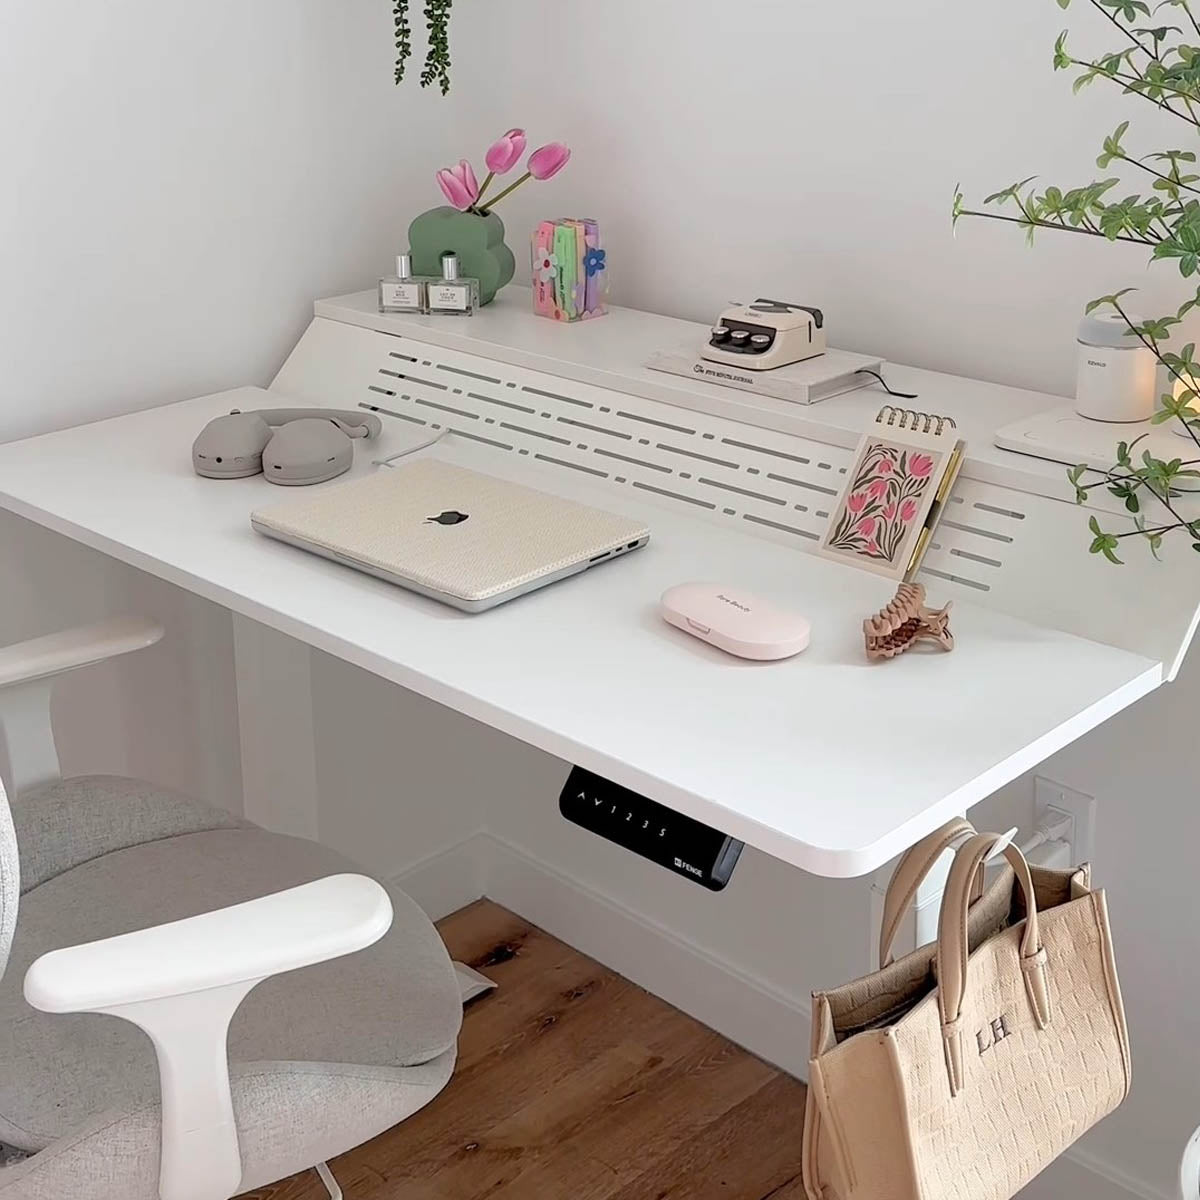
(192, 1006)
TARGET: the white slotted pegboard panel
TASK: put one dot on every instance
(996, 546)
(772, 484)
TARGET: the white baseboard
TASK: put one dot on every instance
(449, 879)
(1121, 1184)
(1079, 1175)
(724, 996)
(747, 1010)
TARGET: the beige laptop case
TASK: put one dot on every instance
(402, 525)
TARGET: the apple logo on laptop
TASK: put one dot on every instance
(449, 517)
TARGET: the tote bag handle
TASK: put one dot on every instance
(914, 865)
(952, 948)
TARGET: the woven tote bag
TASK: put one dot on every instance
(961, 1070)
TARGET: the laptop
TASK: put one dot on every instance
(458, 536)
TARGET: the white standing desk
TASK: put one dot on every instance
(826, 761)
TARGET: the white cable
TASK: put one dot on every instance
(1049, 831)
(387, 462)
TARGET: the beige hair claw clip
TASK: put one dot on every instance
(905, 622)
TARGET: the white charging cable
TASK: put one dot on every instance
(391, 458)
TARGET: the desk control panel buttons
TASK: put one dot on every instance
(651, 830)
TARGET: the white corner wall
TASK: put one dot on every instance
(185, 180)
(180, 182)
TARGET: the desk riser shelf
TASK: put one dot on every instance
(998, 546)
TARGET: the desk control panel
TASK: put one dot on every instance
(697, 852)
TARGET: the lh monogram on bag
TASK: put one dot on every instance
(985, 1039)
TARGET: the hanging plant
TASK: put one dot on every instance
(437, 58)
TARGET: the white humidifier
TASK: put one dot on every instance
(1116, 371)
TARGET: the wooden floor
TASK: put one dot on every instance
(573, 1084)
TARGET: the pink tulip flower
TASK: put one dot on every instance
(919, 465)
(547, 161)
(505, 153)
(459, 185)
(884, 466)
(867, 526)
(908, 510)
(857, 502)
(877, 489)
(889, 513)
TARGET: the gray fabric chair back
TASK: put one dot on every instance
(10, 879)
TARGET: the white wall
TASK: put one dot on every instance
(184, 180)
(811, 151)
(179, 183)
(1142, 768)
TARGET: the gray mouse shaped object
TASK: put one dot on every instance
(292, 446)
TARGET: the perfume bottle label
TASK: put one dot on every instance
(401, 295)
(455, 296)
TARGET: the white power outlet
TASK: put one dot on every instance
(1051, 801)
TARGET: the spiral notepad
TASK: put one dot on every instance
(895, 492)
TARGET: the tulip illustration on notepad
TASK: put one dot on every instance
(883, 502)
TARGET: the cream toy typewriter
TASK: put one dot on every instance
(765, 335)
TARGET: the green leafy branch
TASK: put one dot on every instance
(1158, 64)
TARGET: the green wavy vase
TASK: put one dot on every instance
(477, 240)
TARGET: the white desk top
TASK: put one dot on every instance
(825, 761)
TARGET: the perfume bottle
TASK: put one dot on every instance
(402, 292)
(452, 296)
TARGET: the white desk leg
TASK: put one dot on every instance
(275, 725)
(928, 905)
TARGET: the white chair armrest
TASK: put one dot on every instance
(247, 942)
(28, 756)
(182, 983)
(55, 653)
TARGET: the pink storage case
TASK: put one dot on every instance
(736, 621)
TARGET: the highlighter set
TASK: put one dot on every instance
(570, 275)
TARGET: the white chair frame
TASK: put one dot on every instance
(180, 982)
